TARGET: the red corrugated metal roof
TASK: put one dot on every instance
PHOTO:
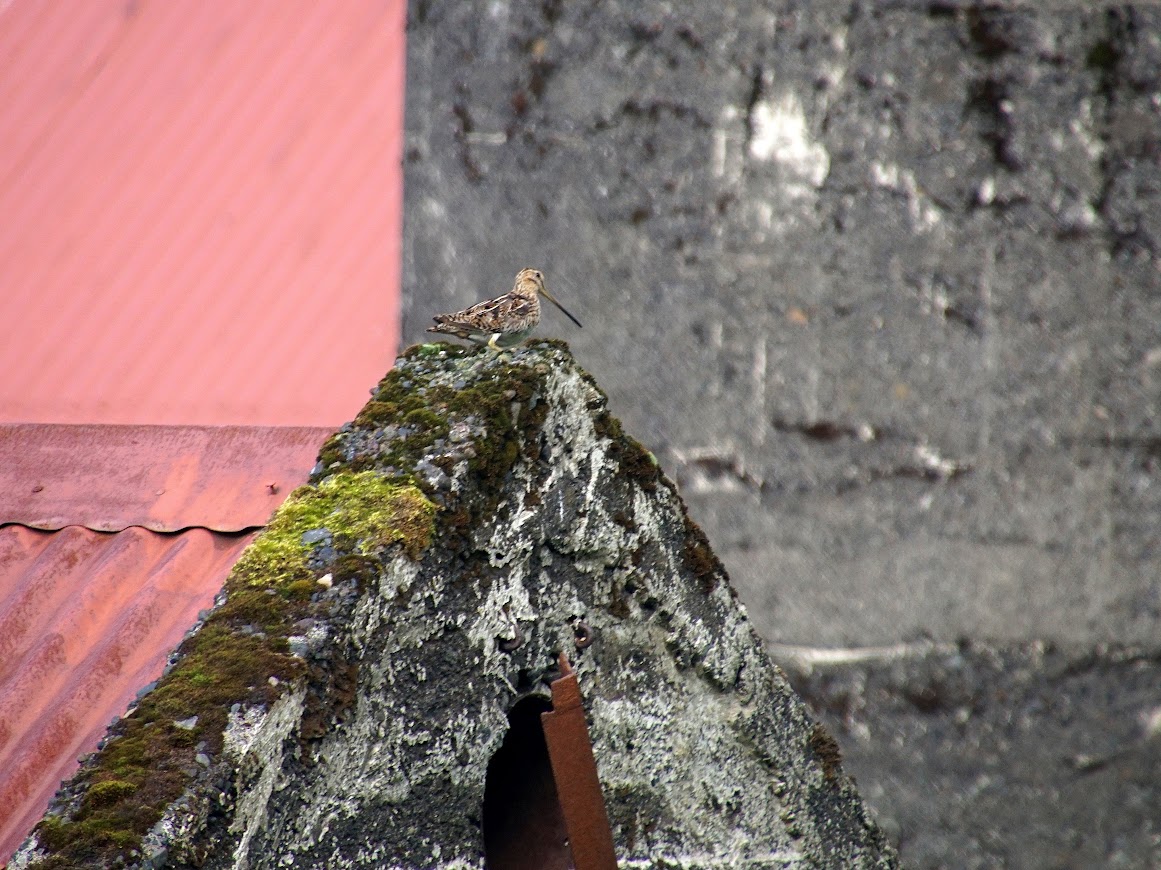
(86, 619)
(164, 478)
(202, 209)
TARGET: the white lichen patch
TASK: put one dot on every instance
(669, 742)
(242, 728)
(506, 604)
(28, 855)
(263, 752)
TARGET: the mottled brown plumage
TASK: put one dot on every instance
(505, 320)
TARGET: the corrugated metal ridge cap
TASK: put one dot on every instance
(162, 478)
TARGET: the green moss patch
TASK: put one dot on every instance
(493, 402)
(149, 760)
(827, 751)
(700, 559)
(635, 462)
(363, 512)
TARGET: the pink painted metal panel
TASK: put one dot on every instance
(86, 619)
(202, 209)
(164, 478)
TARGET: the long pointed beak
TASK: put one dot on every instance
(548, 296)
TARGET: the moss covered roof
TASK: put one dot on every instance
(445, 422)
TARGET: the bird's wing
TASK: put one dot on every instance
(492, 315)
(452, 329)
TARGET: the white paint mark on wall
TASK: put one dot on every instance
(1083, 129)
(726, 158)
(780, 134)
(758, 376)
(920, 209)
(718, 161)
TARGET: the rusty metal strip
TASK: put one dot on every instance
(575, 770)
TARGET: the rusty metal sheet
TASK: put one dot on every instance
(86, 620)
(574, 769)
(202, 209)
(163, 478)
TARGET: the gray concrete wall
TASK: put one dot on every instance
(877, 282)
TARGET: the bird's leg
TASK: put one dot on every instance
(503, 353)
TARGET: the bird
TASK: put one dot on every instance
(501, 322)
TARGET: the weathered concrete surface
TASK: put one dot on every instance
(878, 282)
(1033, 756)
(374, 752)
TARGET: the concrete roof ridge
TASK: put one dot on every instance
(344, 700)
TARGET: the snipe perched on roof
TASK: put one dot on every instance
(505, 320)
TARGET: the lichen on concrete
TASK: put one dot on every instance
(476, 512)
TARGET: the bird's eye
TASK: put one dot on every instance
(537, 274)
